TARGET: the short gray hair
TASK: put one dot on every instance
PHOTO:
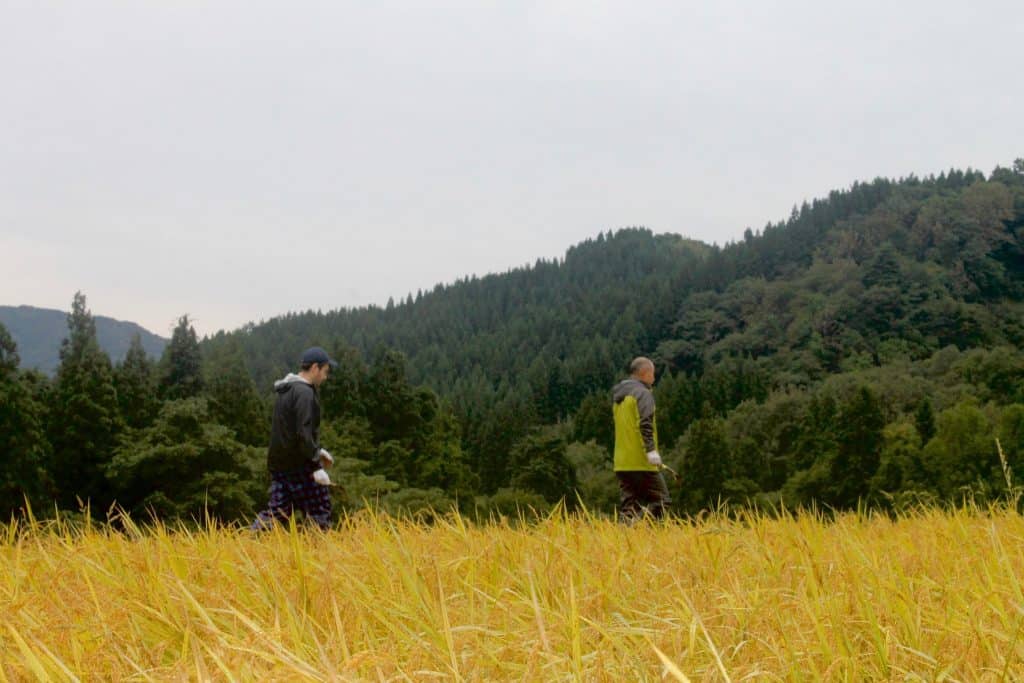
(639, 363)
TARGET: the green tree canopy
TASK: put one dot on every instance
(185, 466)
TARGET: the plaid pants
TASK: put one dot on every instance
(295, 489)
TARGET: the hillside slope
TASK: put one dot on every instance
(38, 333)
(785, 354)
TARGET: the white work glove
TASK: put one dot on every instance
(654, 458)
(320, 477)
(326, 459)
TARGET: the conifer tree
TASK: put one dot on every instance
(85, 418)
(135, 381)
(924, 420)
(184, 466)
(9, 358)
(707, 462)
(539, 463)
(181, 365)
(859, 447)
(388, 391)
(232, 396)
(593, 421)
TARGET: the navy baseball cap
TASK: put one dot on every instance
(317, 355)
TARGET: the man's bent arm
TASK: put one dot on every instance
(645, 404)
(304, 425)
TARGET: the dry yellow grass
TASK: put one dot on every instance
(930, 596)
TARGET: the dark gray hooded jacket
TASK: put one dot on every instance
(295, 430)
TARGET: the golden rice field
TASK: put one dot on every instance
(930, 596)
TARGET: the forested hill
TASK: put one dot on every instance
(888, 274)
(881, 270)
(582, 314)
(607, 297)
(933, 264)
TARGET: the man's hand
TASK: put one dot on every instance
(654, 458)
(326, 459)
(320, 477)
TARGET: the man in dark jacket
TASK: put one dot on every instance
(642, 488)
(295, 459)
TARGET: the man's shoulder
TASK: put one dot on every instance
(304, 391)
(297, 391)
(633, 387)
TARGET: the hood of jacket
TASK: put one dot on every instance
(627, 387)
(286, 383)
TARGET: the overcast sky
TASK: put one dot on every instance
(238, 160)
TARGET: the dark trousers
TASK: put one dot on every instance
(296, 490)
(641, 494)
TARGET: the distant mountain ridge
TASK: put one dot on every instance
(38, 333)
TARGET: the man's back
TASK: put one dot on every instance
(636, 431)
(295, 429)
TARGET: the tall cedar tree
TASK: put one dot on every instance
(859, 447)
(707, 463)
(135, 381)
(181, 374)
(85, 419)
(232, 396)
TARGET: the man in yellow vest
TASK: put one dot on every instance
(642, 488)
